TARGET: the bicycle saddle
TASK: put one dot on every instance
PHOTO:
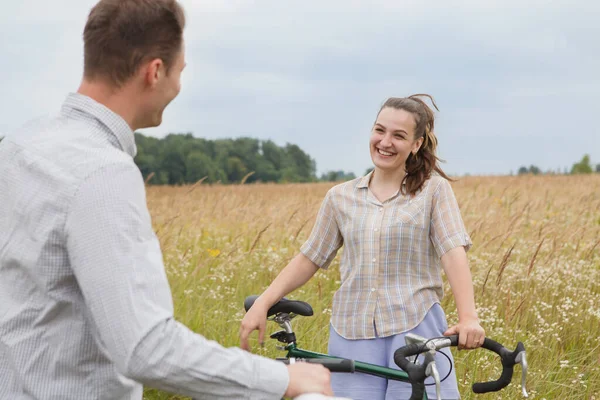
(283, 306)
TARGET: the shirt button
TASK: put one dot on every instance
(381, 209)
(374, 259)
(376, 229)
(373, 289)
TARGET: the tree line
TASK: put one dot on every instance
(584, 166)
(182, 158)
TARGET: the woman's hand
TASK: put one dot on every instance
(255, 318)
(294, 275)
(470, 334)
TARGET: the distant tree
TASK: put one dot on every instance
(265, 171)
(583, 166)
(173, 161)
(289, 174)
(531, 170)
(273, 154)
(598, 168)
(304, 167)
(199, 165)
(337, 176)
(236, 169)
(147, 163)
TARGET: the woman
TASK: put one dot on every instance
(400, 225)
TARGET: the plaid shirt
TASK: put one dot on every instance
(390, 267)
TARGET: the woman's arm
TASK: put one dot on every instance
(294, 275)
(317, 252)
(456, 267)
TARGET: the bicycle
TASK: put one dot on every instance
(405, 357)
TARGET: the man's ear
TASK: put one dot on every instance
(153, 72)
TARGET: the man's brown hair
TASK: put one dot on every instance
(120, 35)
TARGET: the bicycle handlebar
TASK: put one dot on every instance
(334, 365)
(418, 373)
(508, 358)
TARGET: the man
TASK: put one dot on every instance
(85, 307)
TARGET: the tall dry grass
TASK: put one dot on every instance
(535, 263)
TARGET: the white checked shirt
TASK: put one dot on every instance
(390, 267)
(85, 307)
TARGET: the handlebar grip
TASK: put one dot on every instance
(333, 365)
(453, 340)
(343, 365)
(508, 362)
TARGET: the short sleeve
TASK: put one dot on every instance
(447, 229)
(325, 239)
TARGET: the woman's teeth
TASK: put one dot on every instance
(384, 153)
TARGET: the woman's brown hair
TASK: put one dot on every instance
(420, 165)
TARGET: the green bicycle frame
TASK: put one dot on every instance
(366, 368)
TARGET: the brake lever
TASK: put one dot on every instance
(521, 359)
(432, 371)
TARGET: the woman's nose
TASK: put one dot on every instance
(386, 141)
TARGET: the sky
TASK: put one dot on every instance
(516, 82)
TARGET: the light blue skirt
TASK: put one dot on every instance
(380, 351)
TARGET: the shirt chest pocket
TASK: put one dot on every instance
(411, 214)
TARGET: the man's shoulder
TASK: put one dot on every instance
(66, 148)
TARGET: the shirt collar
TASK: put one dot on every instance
(364, 181)
(114, 123)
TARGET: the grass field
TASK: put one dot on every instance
(535, 263)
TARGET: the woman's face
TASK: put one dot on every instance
(392, 139)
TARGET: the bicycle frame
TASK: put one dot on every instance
(365, 368)
(293, 351)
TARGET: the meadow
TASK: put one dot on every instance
(535, 264)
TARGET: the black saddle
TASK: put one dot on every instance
(283, 306)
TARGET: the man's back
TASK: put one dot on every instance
(85, 306)
(46, 333)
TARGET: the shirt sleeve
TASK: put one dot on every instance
(447, 227)
(325, 239)
(118, 264)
